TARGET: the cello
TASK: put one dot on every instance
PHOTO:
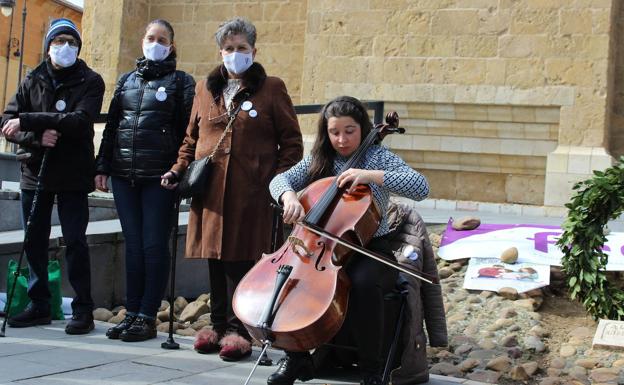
(296, 298)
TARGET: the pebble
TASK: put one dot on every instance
(445, 272)
(487, 376)
(499, 364)
(567, 351)
(469, 364)
(508, 292)
(102, 314)
(518, 373)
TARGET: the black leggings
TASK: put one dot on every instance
(370, 280)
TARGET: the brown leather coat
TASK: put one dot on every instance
(233, 220)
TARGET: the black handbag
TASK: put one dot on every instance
(195, 178)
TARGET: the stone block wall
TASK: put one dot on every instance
(512, 84)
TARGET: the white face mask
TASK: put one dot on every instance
(156, 52)
(63, 55)
(238, 62)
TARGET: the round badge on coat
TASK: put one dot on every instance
(60, 105)
(253, 113)
(247, 105)
(161, 94)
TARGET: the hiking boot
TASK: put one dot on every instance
(291, 368)
(31, 316)
(81, 323)
(114, 332)
(142, 329)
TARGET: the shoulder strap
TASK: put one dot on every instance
(122, 80)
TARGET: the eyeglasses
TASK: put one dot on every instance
(62, 40)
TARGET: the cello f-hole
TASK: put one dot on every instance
(320, 255)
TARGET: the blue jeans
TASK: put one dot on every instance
(73, 211)
(145, 211)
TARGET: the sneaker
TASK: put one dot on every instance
(31, 316)
(207, 341)
(81, 323)
(291, 368)
(114, 332)
(234, 347)
(142, 329)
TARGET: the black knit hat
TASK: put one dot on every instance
(59, 27)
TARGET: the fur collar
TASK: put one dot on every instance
(252, 81)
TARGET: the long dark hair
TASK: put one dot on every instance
(323, 153)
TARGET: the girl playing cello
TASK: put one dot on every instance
(343, 123)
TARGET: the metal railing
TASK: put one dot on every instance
(10, 167)
(377, 106)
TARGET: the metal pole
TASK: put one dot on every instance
(21, 59)
(31, 218)
(8, 58)
(170, 343)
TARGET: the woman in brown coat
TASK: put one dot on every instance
(231, 223)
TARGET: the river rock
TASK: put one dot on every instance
(550, 381)
(445, 272)
(102, 314)
(163, 305)
(463, 349)
(163, 315)
(567, 351)
(499, 364)
(587, 363)
(200, 324)
(532, 342)
(466, 223)
(488, 376)
(193, 310)
(190, 332)
(164, 327)
(518, 373)
(509, 340)
(117, 309)
(468, 364)
(604, 374)
(530, 367)
(445, 369)
(514, 352)
(179, 304)
(119, 317)
(508, 292)
(203, 298)
(510, 255)
(558, 363)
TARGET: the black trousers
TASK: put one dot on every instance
(224, 277)
(73, 211)
(370, 280)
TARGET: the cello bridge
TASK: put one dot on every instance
(298, 247)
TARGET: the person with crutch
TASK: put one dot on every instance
(54, 108)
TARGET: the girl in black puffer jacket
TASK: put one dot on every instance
(147, 119)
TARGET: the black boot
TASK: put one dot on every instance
(31, 316)
(81, 323)
(141, 329)
(114, 332)
(292, 367)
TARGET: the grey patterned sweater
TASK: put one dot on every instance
(399, 179)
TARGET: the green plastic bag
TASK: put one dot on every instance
(20, 297)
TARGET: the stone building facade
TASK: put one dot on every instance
(503, 100)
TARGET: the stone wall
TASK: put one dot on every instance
(519, 96)
(38, 16)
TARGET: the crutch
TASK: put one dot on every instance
(31, 215)
(170, 343)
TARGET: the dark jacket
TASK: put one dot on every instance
(425, 304)
(145, 127)
(233, 219)
(70, 164)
